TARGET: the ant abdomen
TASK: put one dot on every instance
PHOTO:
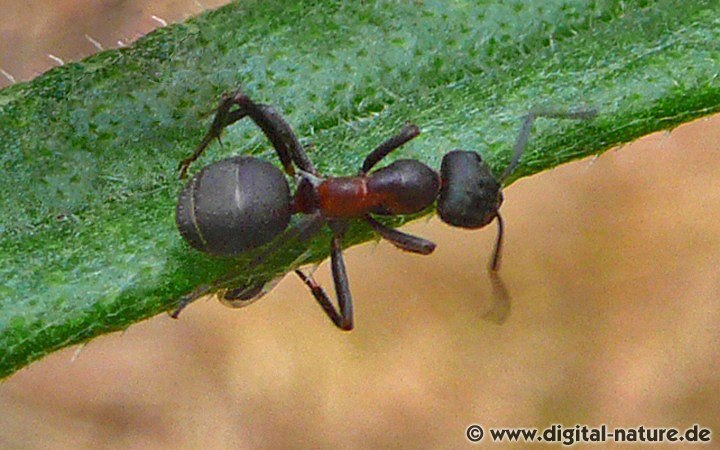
(233, 205)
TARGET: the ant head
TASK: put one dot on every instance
(470, 195)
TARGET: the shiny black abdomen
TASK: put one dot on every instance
(233, 205)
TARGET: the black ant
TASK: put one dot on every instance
(242, 202)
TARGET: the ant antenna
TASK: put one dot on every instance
(519, 149)
(524, 135)
(501, 305)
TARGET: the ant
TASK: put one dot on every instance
(241, 203)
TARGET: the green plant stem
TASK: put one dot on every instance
(89, 150)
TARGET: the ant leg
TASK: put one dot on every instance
(242, 296)
(270, 122)
(280, 134)
(187, 299)
(223, 118)
(342, 285)
(401, 240)
(408, 132)
(237, 297)
(343, 318)
(529, 120)
(322, 298)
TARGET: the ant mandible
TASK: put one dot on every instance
(241, 203)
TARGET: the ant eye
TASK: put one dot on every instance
(470, 195)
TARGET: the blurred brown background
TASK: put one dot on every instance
(613, 265)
